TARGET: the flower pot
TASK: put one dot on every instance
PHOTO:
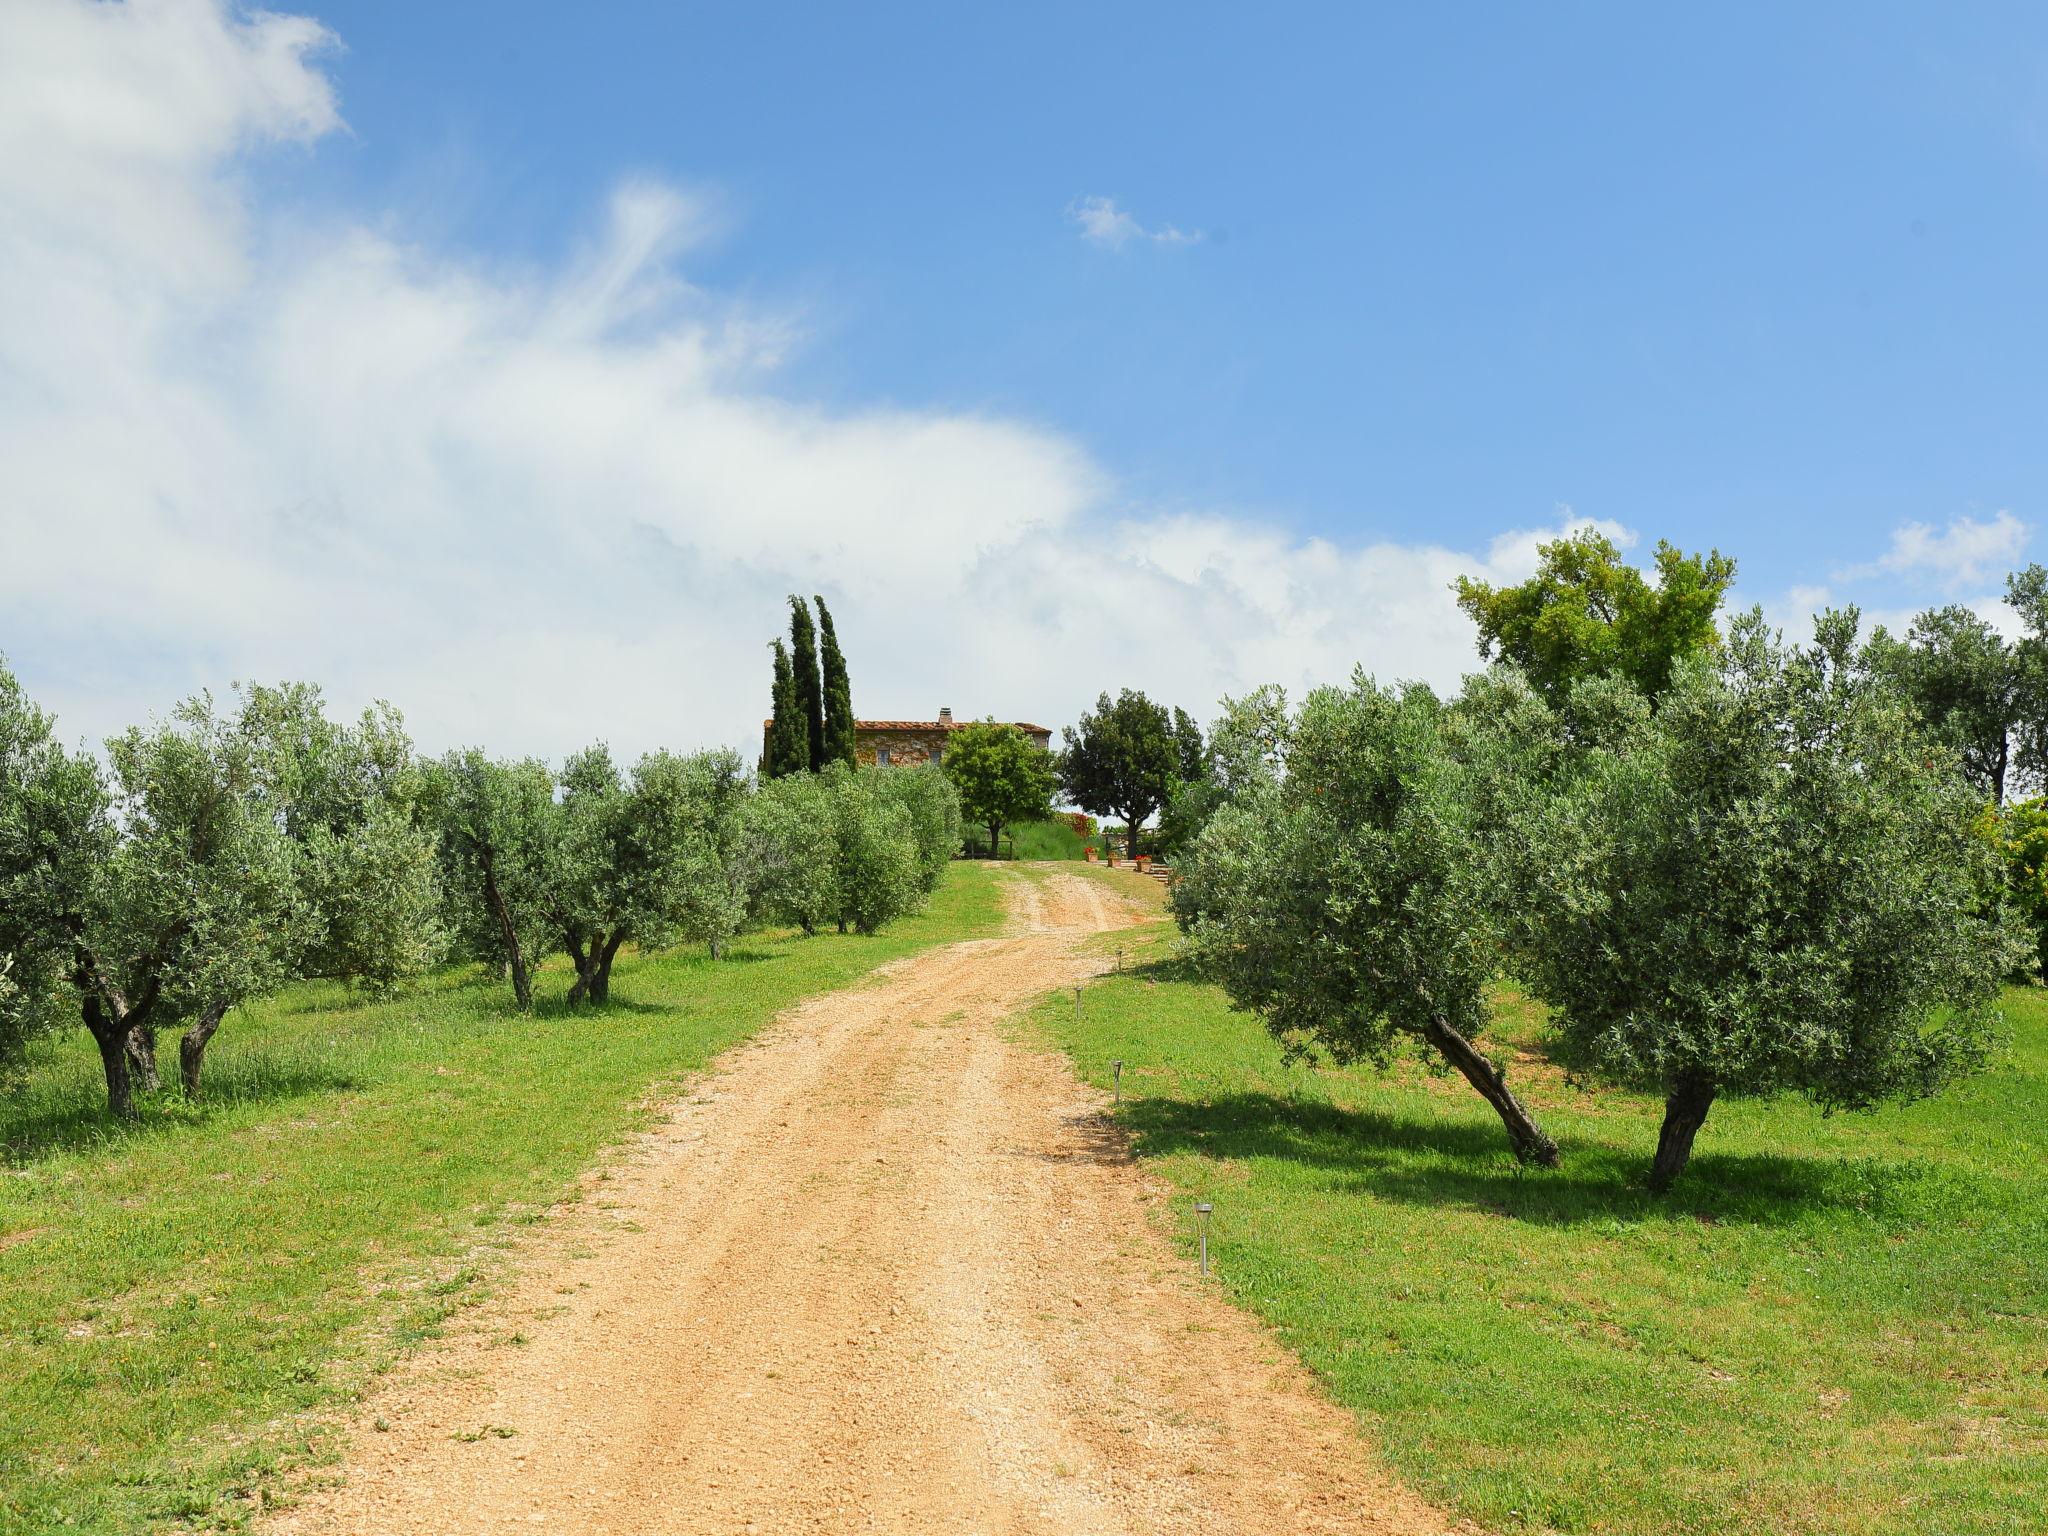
(1144, 861)
(1092, 855)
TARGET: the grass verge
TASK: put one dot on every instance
(1834, 1325)
(174, 1298)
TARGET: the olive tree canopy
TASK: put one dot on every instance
(1341, 901)
(1771, 884)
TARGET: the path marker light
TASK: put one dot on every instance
(1117, 1071)
(1202, 1226)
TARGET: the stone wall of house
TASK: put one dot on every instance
(906, 749)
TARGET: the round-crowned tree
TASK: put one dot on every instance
(1002, 776)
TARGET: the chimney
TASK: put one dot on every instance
(946, 717)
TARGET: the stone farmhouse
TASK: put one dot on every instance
(909, 743)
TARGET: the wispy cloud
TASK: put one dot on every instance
(1102, 223)
(1964, 553)
(249, 436)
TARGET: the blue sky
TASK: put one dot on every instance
(1370, 287)
(1763, 276)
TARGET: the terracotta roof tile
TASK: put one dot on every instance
(939, 725)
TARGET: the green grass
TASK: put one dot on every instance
(1051, 839)
(175, 1299)
(1833, 1325)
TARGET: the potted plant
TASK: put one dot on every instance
(1090, 853)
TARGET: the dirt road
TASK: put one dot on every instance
(886, 1270)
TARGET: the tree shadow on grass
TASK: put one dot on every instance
(71, 1116)
(1466, 1164)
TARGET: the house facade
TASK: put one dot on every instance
(912, 743)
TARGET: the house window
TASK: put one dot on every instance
(938, 757)
(881, 757)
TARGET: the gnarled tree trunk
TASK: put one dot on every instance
(117, 1028)
(142, 1056)
(580, 957)
(1685, 1110)
(601, 971)
(508, 932)
(114, 1059)
(1524, 1134)
(192, 1047)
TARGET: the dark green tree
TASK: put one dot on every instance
(838, 693)
(788, 748)
(1965, 683)
(1587, 613)
(2026, 593)
(1121, 760)
(810, 691)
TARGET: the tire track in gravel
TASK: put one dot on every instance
(886, 1269)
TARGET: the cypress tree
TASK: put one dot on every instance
(838, 692)
(787, 751)
(810, 693)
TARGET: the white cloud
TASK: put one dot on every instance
(1966, 552)
(535, 508)
(1103, 223)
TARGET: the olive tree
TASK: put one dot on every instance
(1001, 776)
(620, 865)
(349, 797)
(793, 824)
(497, 824)
(929, 799)
(163, 896)
(54, 831)
(718, 862)
(875, 849)
(1341, 901)
(1771, 884)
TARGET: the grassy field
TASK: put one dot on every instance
(1834, 1325)
(172, 1298)
(1054, 838)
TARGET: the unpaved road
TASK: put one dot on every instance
(886, 1270)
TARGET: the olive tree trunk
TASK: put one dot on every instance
(1685, 1111)
(114, 1060)
(508, 933)
(114, 1026)
(1530, 1144)
(192, 1047)
(141, 1047)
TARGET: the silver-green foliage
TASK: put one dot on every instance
(932, 802)
(793, 827)
(875, 854)
(349, 797)
(1340, 900)
(496, 825)
(720, 865)
(50, 804)
(1770, 884)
